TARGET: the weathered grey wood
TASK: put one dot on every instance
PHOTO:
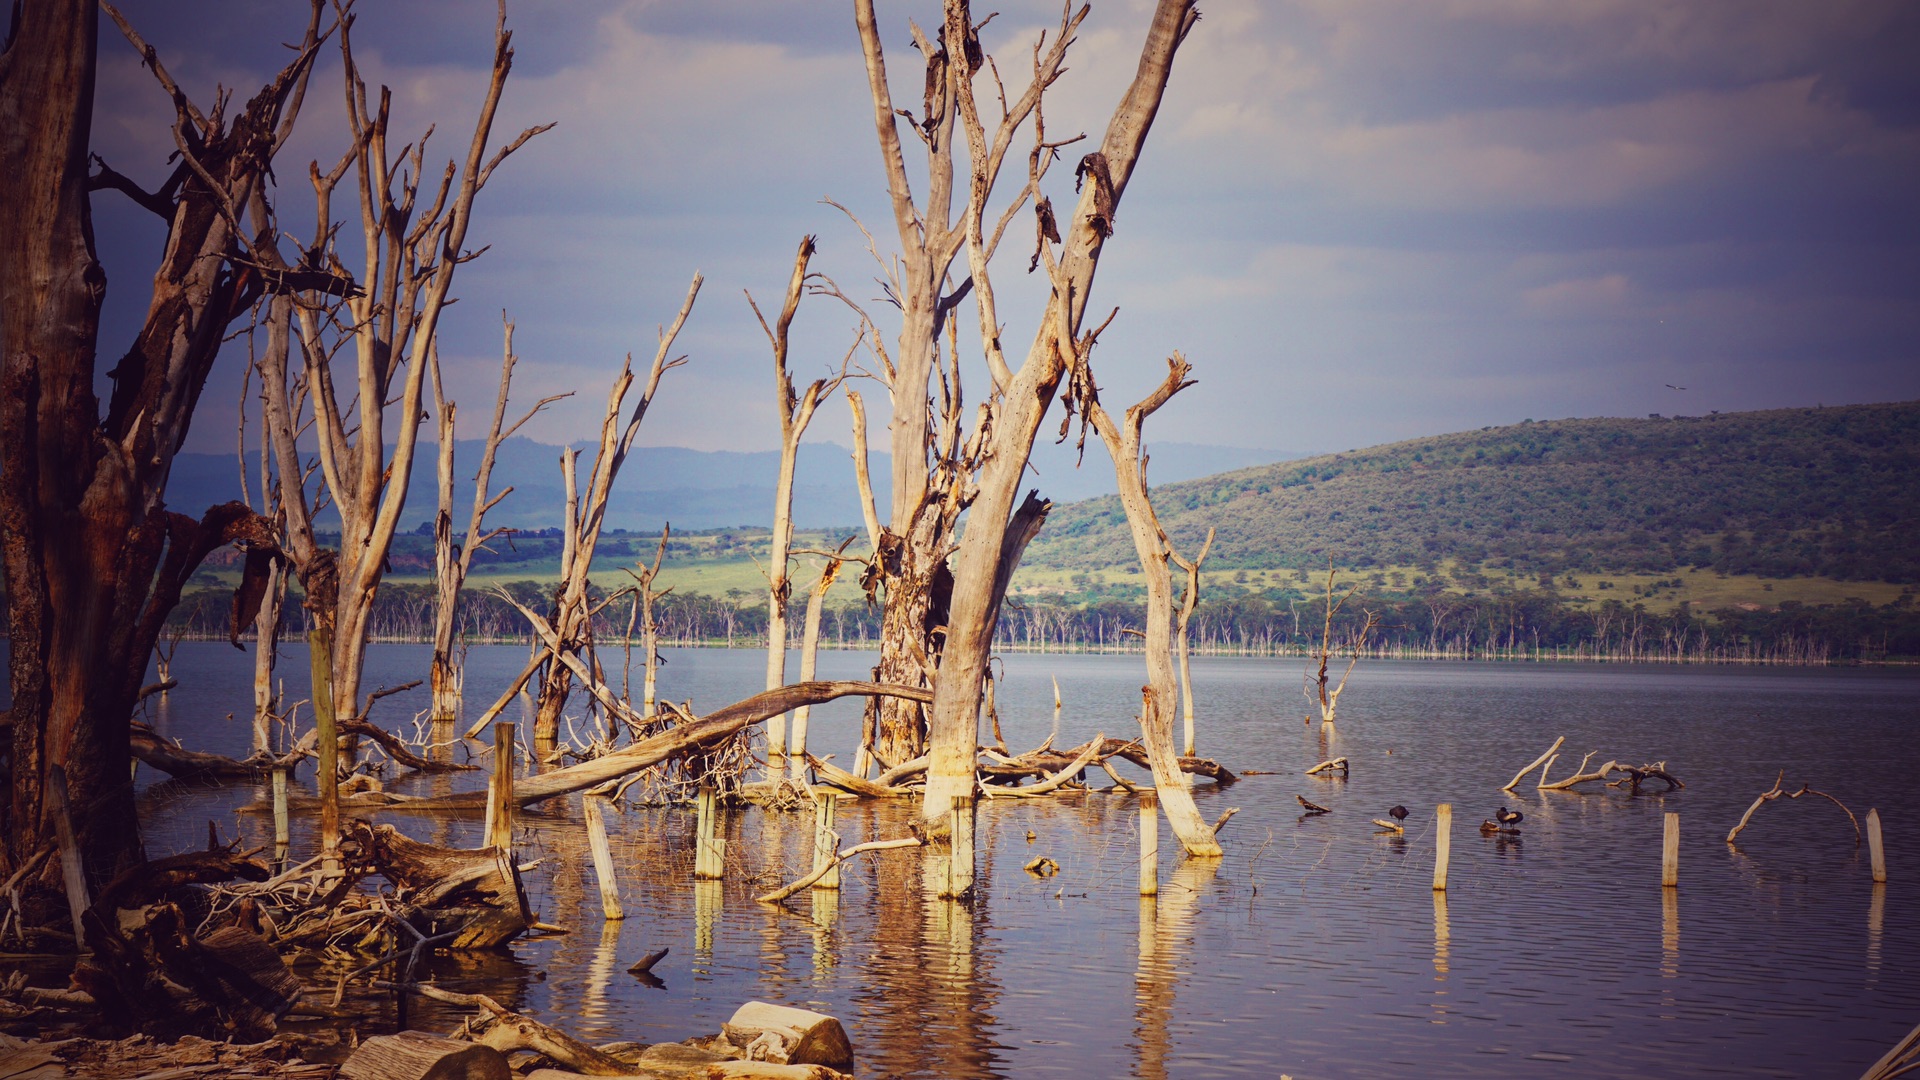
(1876, 851)
(500, 792)
(1670, 851)
(826, 842)
(1442, 844)
(594, 809)
(282, 834)
(766, 1070)
(960, 851)
(710, 850)
(790, 1036)
(1149, 846)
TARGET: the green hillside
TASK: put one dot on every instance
(1826, 492)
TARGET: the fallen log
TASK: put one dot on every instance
(1330, 765)
(399, 751)
(830, 773)
(417, 1055)
(788, 1036)
(178, 761)
(1067, 772)
(696, 733)
(476, 895)
(507, 1031)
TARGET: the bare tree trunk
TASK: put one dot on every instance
(93, 559)
(1187, 603)
(979, 576)
(796, 412)
(809, 656)
(1150, 543)
(571, 615)
(451, 561)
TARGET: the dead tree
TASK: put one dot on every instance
(93, 559)
(937, 617)
(1155, 552)
(796, 412)
(1325, 698)
(1188, 601)
(452, 561)
(571, 613)
(810, 652)
(384, 321)
(645, 596)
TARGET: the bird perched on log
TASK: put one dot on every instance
(1507, 817)
(1398, 813)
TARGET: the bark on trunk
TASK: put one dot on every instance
(93, 560)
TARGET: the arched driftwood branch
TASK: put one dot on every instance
(1779, 790)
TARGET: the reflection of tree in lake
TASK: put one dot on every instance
(1166, 943)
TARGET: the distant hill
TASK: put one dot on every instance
(1790, 492)
(696, 489)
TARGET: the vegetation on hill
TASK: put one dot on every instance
(1784, 493)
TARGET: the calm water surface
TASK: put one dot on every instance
(1316, 947)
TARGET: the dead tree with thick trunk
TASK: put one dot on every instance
(93, 559)
(1150, 543)
(370, 329)
(940, 616)
(571, 616)
(796, 412)
(452, 561)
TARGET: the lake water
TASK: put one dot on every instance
(1315, 947)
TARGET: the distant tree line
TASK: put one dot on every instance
(1519, 624)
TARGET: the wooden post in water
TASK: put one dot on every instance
(1876, 851)
(824, 842)
(71, 871)
(500, 791)
(595, 809)
(1442, 844)
(960, 857)
(1670, 852)
(710, 850)
(282, 834)
(1149, 845)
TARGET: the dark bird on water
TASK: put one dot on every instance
(1398, 813)
(1508, 817)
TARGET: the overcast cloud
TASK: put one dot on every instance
(1363, 221)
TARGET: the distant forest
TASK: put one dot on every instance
(1519, 624)
(1826, 492)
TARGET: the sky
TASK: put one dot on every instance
(1362, 221)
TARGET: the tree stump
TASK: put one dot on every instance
(416, 1055)
(788, 1036)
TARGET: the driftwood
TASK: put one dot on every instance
(1543, 759)
(787, 1036)
(1632, 777)
(397, 750)
(475, 894)
(1065, 773)
(1335, 764)
(1777, 791)
(416, 1055)
(178, 761)
(150, 973)
(679, 739)
(507, 1031)
(830, 773)
(1311, 808)
(827, 867)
